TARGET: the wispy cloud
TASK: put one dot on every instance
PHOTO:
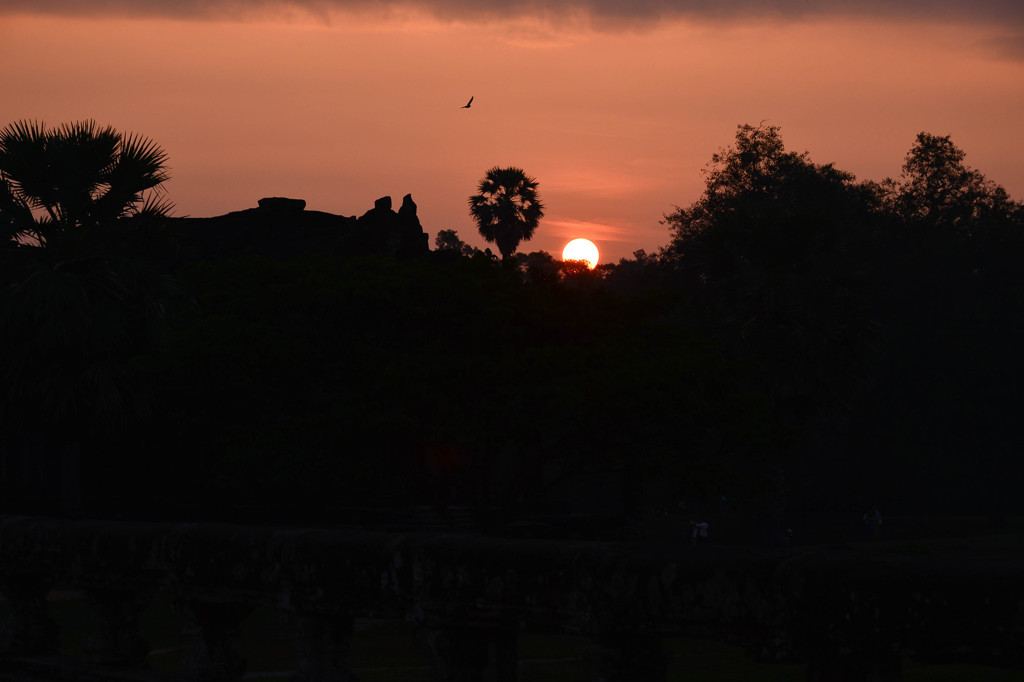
(571, 229)
(1006, 13)
(1003, 18)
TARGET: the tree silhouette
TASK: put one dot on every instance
(77, 175)
(937, 189)
(506, 208)
(448, 240)
(765, 251)
(539, 267)
(81, 297)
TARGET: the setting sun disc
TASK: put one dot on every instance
(581, 249)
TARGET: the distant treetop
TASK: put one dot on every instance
(507, 208)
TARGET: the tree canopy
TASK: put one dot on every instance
(768, 254)
(938, 190)
(800, 332)
(507, 208)
(877, 315)
(76, 175)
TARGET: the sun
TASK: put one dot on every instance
(581, 249)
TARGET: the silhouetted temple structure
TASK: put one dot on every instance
(282, 228)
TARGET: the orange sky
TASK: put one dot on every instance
(614, 123)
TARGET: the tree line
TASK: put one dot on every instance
(804, 343)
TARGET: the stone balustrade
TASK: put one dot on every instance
(469, 597)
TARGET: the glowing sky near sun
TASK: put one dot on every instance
(615, 116)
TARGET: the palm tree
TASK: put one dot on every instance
(78, 207)
(506, 208)
(77, 175)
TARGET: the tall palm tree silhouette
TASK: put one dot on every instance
(506, 208)
(79, 206)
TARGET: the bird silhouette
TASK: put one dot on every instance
(468, 104)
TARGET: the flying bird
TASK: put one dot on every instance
(468, 104)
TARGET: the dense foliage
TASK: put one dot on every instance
(803, 342)
(881, 318)
(327, 383)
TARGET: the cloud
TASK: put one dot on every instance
(601, 13)
(570, 229)
(1009, 44)
(549, 21)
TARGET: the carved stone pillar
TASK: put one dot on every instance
(324, 643)
(213, 626)
(28, 629)
(622, 657)
(471, 654)
(116, 637)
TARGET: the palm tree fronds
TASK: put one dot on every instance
(506, 208)
(77, 175)
(141, 163)
(22, 145)
(155, 206)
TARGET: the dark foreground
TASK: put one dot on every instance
(484, 608)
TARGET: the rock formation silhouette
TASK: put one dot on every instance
(281, 227)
